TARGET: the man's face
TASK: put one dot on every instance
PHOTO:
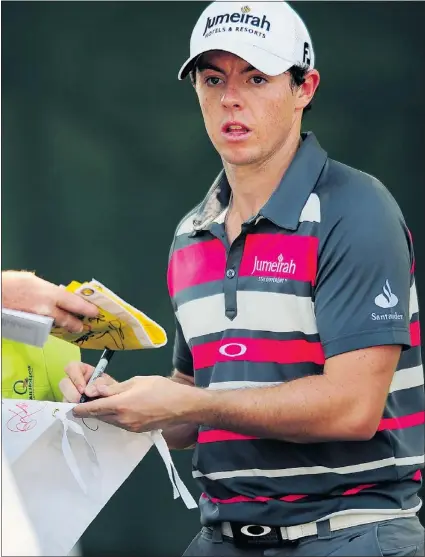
(248, 115)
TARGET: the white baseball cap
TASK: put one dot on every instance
(270, 36)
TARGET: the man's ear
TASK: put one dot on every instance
(307, 90)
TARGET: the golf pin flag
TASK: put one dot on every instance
(119, 325)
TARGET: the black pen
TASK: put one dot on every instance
(98, 370)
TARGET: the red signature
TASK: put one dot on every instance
(21, 420)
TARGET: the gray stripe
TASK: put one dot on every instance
(184, 240)
(271, 454)
(410, 358)
(298, 288)
(404, 402)
(198, 291)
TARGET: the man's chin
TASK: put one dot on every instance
(238, 157)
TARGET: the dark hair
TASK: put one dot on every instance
(297, 74)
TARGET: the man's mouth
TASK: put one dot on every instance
(235, 130)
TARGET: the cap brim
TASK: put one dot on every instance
(262, 60)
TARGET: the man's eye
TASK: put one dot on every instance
(258, 80)
(213, 80)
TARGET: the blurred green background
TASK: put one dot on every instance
(104, 150)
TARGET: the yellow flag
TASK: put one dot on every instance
(119, 326)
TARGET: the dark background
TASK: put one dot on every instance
(104, 150)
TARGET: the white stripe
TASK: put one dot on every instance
(229, 385)
(413, 303)
(311, 210)
(258, 311)
(311, 470)
(186, 226)
(407, 378)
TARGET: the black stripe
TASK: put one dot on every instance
(322, 485)
(278, 513)
(415, 317)
(254, 371)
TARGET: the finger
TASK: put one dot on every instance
(75, 304)
(67, 321)
(113, 388)
(110, 419)
(92, 389)
(96, 408)
(79, 374)
(69, 391)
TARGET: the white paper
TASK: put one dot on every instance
(67, 468)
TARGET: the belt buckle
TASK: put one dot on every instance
(254, 535)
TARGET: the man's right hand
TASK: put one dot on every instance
(25, 291)
(75, 384)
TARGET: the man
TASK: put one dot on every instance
(297, 355)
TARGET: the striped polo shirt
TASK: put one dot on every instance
(325, 267)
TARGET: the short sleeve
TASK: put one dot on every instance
(182, 356)
(362, 291)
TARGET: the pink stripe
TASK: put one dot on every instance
(415, 333)
(355, 490)
(280, 256)
(402, 422)
(417, 476)
(259, 499)
(290, 498)
(196, 264)
(215, 435)
(257, 350)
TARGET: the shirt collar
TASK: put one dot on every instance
(287, 201)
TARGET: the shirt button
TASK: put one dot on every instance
(230, 273)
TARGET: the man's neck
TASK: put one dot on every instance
(252, 185)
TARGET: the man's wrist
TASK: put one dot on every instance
(199, 404)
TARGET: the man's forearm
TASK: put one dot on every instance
(306, 410)
(181, 436)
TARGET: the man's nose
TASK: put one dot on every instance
(231, 98)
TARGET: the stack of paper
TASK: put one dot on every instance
(28, 328)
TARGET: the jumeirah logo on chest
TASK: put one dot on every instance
(275, 268)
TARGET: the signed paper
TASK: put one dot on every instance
(119, 326)
(67, 468)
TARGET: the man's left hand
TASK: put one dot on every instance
(141, 403)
